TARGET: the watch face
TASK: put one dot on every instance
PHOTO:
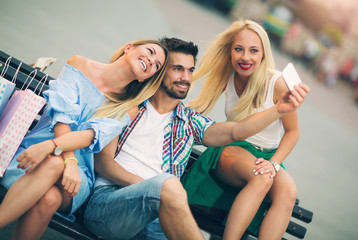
(277, 167)
(58, 151)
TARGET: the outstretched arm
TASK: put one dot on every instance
(108, 168)
(221, 134)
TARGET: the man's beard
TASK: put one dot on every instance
(173, 93)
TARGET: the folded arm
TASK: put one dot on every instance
(108, 168)
(70, 141)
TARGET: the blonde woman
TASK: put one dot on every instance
(87, 108)
(239, 62)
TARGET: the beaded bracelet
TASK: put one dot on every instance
(74, 159)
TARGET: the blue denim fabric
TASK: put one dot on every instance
(153, 231)
(115, 212)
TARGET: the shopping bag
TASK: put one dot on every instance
(19, 113)
(6, 87)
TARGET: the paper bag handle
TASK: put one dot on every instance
(6, 66)
(15, 75)
(44, 78)
(35, 72)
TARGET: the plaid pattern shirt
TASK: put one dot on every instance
(186, 129)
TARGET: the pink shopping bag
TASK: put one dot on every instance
(19, 113)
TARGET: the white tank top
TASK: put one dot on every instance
(271, 136)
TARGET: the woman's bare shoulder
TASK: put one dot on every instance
(77, 61)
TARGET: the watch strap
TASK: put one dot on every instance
(276, 166)
(55, 143)
(57, 149)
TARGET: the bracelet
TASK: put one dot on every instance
(67, 159)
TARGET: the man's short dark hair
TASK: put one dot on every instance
(178, 45)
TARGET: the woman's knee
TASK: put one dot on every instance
(261, 183)
(173, 192)
(291, 193)
(54, 165)
(51, 201)
(285, 193)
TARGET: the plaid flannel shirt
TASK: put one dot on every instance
(186, 129)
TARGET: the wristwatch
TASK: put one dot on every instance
(275, 165)
(57, 150)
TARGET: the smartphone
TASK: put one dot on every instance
(290, 76)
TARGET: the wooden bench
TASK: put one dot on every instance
(208, 219)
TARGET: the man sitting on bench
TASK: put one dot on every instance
(138, 193)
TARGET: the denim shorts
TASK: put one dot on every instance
(115, 212)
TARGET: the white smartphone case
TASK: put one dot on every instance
(290, 76)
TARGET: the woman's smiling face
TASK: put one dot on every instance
(246, 52)
(146, 59)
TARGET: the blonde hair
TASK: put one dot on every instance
(136, 92)
(217, 68)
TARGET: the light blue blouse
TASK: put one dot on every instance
(72, 99)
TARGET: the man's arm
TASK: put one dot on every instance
(108, 168)
(221, 134)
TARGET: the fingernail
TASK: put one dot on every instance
(256, 173)
(261, 173)
(25, 172)
(254, 170)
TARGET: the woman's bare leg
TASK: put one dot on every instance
(283, 194)
(235, 168)
(33, 224)
(29, 189)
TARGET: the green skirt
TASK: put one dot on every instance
(204, 188)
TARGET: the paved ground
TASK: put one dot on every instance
(324, 162)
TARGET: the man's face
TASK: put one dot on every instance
(178, 76)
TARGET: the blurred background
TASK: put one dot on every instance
(321, 34)
(319, 37)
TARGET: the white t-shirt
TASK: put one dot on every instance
(142, 152)
(271, 136)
